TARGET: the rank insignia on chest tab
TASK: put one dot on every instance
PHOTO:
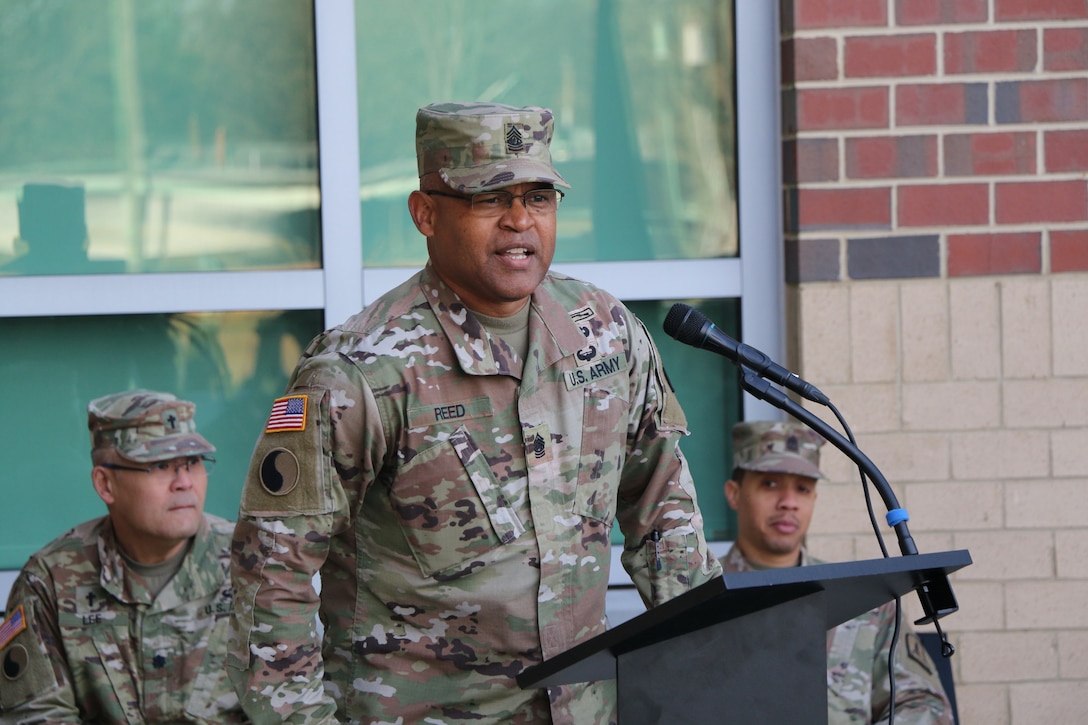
(917, 651)
(13, 625)
(537, 449)
(288, 413)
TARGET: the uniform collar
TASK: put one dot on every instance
(191, 581)
(736, 561)
(552, 334)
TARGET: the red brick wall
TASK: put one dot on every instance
(934, 138)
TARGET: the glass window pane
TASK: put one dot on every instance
(643, 96)
(708, 387)
(157, 136)
(232, 365)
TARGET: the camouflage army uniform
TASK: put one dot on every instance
(458, 502)
(857, 667)
(98, 647)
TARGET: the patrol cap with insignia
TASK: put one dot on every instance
(145, 426)
(486, 146)
(777, 447)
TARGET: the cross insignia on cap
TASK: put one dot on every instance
(172, 422)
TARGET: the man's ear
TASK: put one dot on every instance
(421, 207)
(103, 484)
(732, 492)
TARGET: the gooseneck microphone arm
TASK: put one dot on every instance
(934, 593)
(691, 327)
(688, 325)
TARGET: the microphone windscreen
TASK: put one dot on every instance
(685, 323)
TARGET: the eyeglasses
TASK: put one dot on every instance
(191, 464)
(495, 203)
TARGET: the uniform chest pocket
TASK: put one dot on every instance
(450, 507)
(102, 661)
(602, 454)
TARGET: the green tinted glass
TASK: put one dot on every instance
(708, 387)
(157, 136)
(643, 96)
(232, 365)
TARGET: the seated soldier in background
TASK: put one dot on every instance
(773, 490)
(123, 619)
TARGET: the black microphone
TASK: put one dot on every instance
(691, 327)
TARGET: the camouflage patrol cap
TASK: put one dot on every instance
(485, 146)
(145, 426)
(779, 447)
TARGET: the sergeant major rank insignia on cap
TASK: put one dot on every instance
(515, 141)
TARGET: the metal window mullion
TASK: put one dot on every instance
(338, 139)
(759, 170)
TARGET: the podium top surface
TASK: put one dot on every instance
(850, 589)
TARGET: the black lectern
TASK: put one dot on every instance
(745, 648)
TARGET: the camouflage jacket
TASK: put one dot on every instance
(458, 502)
(98, 647)
(857, 667)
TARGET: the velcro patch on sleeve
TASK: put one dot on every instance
(13, 625)
(288, 414)
(290, 471)
(26, 671)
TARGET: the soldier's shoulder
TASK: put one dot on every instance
(78, 538)
(219, 526)
(68, 560)
(560, 283)
(387, 310)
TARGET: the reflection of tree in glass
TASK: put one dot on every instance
(643, 94)
(245, 66)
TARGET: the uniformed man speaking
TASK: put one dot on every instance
(124, 618)
(452, 460)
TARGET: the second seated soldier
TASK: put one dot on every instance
(452, 461)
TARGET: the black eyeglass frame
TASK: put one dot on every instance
(499, 193)
(207, 461)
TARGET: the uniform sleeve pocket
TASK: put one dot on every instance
(604, 435)
(26, 670)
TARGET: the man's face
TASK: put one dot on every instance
(154, 513)
(492, 263)
(773, 514)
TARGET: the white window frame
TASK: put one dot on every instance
(342, 286)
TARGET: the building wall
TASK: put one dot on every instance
(935, 158)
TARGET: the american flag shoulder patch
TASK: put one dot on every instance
(13, 625)
(288, 413)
